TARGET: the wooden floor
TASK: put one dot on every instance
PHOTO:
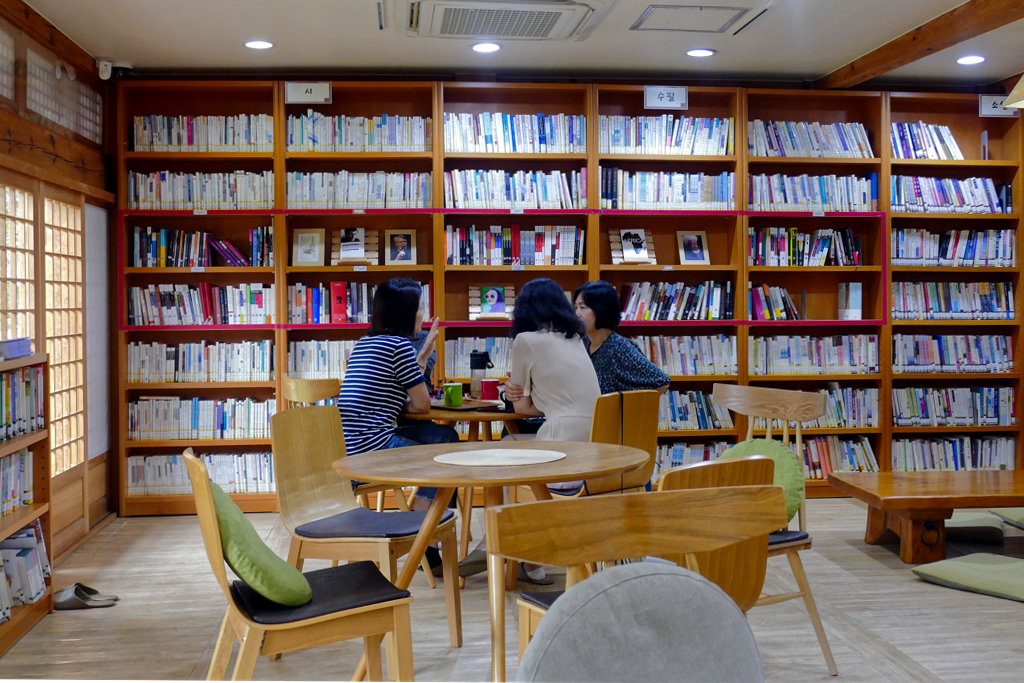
(884, 624)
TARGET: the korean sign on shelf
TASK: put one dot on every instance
(665, 97)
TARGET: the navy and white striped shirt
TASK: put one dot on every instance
(380, 372)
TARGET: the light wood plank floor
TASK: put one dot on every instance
(883, 623)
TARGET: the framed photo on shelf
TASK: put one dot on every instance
(491, 301)
(308, 247)
(399, 247)
(693, 248)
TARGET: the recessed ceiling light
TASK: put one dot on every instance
(701, 52)
(971, 59)
(486, 47)
(259, 44)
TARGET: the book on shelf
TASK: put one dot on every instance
(660, 191)
(851, 301)
(240, 133)
(826, 454)
(953, 301)
(665, 134)
(845, 408)
(923, 141)
(498, 133)
(24, 568)
(633, 242)
(340, 303)
(674, 301)
(456, 356)
(954, 453)
(851, 354)
(167, 190)
(770, 303)
(247, 304)
(952, 353)
(11, 349)
(954, 248)
(16, 481)
(779, 192)
(691, 356)
(919, 194)
(691, 410)
(352, 190)
(512, 245)
(354, 245)
(497, 189)
(159, 363)
(682, 453)
(167, 475)
(491, 302)
(316, 132)
(773, 138)
(163, 248)
(22, 402)
(172, 418)
(954, 406)
(319, 359)
(787, 247)
(618, 257)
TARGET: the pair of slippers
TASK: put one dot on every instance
(476, 563)
(79, 596)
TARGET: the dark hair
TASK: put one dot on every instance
(542, 306)
(396, 303)
(603, 300)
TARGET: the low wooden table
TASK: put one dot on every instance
(916, 505)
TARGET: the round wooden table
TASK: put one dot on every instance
(415, 466)
(475, 418)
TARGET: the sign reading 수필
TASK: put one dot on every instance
(307, 92)
(992, 105)
(665, 97)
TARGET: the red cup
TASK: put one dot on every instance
(489, 389)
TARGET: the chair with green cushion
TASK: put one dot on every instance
(275, 608)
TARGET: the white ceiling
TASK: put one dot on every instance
(795, 39)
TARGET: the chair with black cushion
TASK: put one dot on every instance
(643, 622)
(325, 606)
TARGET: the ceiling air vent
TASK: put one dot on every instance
(508, 19)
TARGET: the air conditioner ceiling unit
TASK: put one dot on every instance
(503, 19)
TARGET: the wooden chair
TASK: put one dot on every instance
(388, 613)
(579, 532)
(320, 511)
(790, 406)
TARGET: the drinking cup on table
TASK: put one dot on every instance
(453, 394)
(489, 389)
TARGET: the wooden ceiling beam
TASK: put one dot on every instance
(46, 34)
(967, 21)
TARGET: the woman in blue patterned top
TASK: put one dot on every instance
(618, 361)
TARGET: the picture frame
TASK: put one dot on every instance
(308, 247)
(491, 301)
(349, 244)
(397, 253)
(693, 248)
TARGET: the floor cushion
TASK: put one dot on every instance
(973, 526)
(1013, 516)
(995, 575)
(789, 471)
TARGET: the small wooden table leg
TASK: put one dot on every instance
(493, 497)
(922, 535)
(878, 531)
(511, 426)
(486, 427)
(474, 431)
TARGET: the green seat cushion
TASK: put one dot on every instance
(789, 471)
(1014, 516)
(977, 527)
(250, 558)
(995, 575)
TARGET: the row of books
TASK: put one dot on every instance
(496, 189)
(773, 138)
(239, 133)
(654, 190)
(18, 347)
(319, 359)
(510, 245)
(952, 353)
(770, 303)
(691, 410)
(845, 408)
(952, 301)
(24, 568)
(679, 454)
(786, 247)
(167, 475)
(172, 418)
(164, 248)
(316, 132)
(673, 301)
(352, 190)
(691, 356)
(779, 192)
(923, 141)
(338, 303)
(954, 453)
(157, 363)
(497, 133)
(955, 248)
(919, 194)
(851, 354)
(665, 134)
(953, 406)
(247, 304)
(456, 356)
(22, 402)
(826, 454)
(16, 481)
(170, 191)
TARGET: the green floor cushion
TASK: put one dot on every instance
(974, 527)
(789, 471)
(249, 557)
(1014, 516)
(995, 575)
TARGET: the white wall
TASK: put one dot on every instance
(97, 339)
